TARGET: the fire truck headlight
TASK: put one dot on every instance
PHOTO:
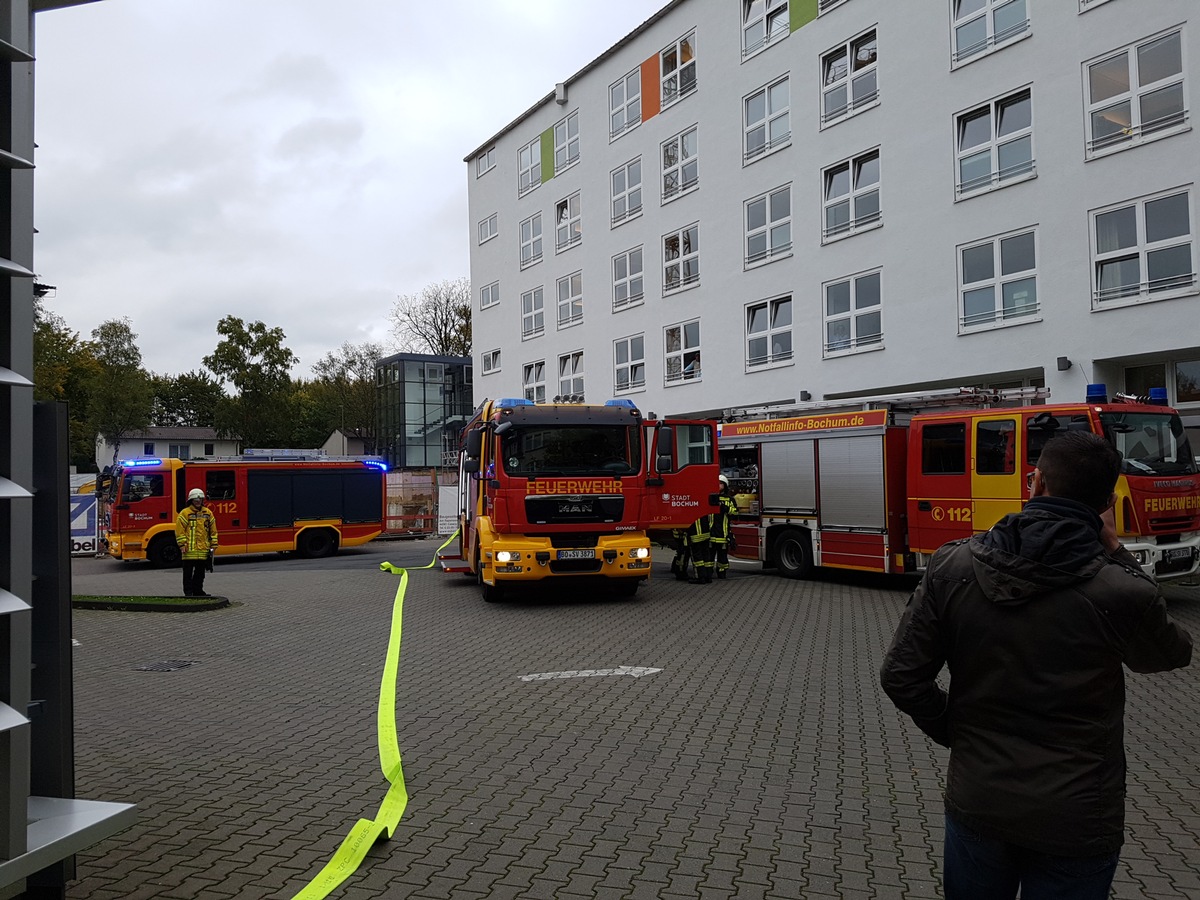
(640, 553)
(1141, 556)
(507, 556)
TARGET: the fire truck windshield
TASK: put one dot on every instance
(137, 486)
(535, 451)
(1150, 443)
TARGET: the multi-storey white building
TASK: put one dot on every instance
(825, 198)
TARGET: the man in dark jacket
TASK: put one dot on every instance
(1034, 620)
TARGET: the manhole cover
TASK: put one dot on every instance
(167, 665)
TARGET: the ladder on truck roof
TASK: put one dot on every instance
(912, 400)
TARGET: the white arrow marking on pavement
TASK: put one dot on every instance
(635, 671)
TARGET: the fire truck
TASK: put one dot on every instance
(878, 484)
(569, 492)
(264, 501)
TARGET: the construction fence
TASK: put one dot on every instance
(421, 502)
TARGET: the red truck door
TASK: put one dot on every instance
(940, 507)
(225, 494)
(681, 472)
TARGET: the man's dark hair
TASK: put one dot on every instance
(1081, 466)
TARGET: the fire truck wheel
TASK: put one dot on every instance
(317, 543)
(163, 552)
(628, 587)
(793, 553)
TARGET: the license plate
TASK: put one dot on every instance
(576, 554)
(1175, 554)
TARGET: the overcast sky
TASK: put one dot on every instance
(297, 162)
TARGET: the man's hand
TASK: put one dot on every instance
(1108, 531)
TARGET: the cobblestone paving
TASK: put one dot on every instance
(763, 761)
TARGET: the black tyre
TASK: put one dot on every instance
(793, 553)
(627, 587)
(317, 543)
(492, 593)
(163, 552)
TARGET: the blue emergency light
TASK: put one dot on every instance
(376, 464)
(1097, 393)
(623, 401)
(1158, 396)
(141, 461)
(510, 402)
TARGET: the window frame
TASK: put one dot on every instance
(683, 260)
(855, 224)
(853, 106)
(854, 343)
(535, 242)
(678, 167)
(631, 298)
(1087, 5)
(771, 307)
(1143, 249)
(573, 301)
(629, 365)
(485, 161)
(533, 313)
(672, 96)
(995, 179)
(572, 225)
(563, 144)
(991, 43)
(769, 253)
(1134, 134)
(767, 122)
(625, 195)
(1022, 315)
(493, 227)
(626, 103)
(489, 361)
(688, 355)
(492, 297)
(534, 168)
(530, 382)
(575, 360)
(771, 9)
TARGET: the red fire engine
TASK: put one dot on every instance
(568, 491)
(264, 502)
(880, 487)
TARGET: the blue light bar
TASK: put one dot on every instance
(376, 464)
(141, 461)
(1158, 396)
(510, 402)
(624, 401)
(1097, 393)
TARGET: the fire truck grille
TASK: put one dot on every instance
(1168, 529)
(574, 566)
(568, 540)
(564, 510)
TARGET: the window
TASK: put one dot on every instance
(629, 364)
(627, 278)
(179, 451)
(220, 484)
(531, 240)
(1143, 250)
(529, 166)
(1136, 95)
(678, 67)
(485, 161)
(944, 449)
(491, 362)
(1085, 5)
(570, 300)
(998, 280)
(767, 123)
(825, 5)
(489, 295)
(996, 446)
(681, 163)
(769, 226)
(852, 196)
(210, 449)
(626, 191)
(852, 314)
(769, 332)
(570, 374)
(488, 228)
(566, 142)
(849, 78)
(625, 103)
(533, 314)
(534, 380)
(1187, 381)
(148, 449)
(681, 258)
(984, 25)
(763, 22)
(994, 144)
(682, 352)
(567, 230)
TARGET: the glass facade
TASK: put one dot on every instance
(424, 401)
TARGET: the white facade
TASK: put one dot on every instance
(1011, 245)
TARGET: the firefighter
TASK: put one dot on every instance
(196, 534)
(700, 547)
(679, 563)
(722, 523)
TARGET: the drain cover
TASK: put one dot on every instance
(167, 665)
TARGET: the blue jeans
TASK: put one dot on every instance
(981, 868)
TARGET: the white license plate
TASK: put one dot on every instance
(1178, 553)
(576, 554)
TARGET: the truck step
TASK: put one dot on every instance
(453, 563)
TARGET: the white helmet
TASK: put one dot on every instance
(195, 494)
(723, 480)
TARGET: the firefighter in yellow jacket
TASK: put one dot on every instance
(196, 534)
(722, 524)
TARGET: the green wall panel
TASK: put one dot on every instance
(547, 154)
(802, 12)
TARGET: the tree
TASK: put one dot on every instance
(189, 399)
(253, 359)
(437, 320)
(63, 370)
(349, 374)
(120, 396)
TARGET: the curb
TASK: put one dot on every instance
(202, 606)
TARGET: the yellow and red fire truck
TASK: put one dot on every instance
(569, 492)
(264, 501)
(880, 487)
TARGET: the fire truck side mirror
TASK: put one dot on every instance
(664, 449)
(470, 465)
(474, 446)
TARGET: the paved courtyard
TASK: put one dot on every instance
(762, 761)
